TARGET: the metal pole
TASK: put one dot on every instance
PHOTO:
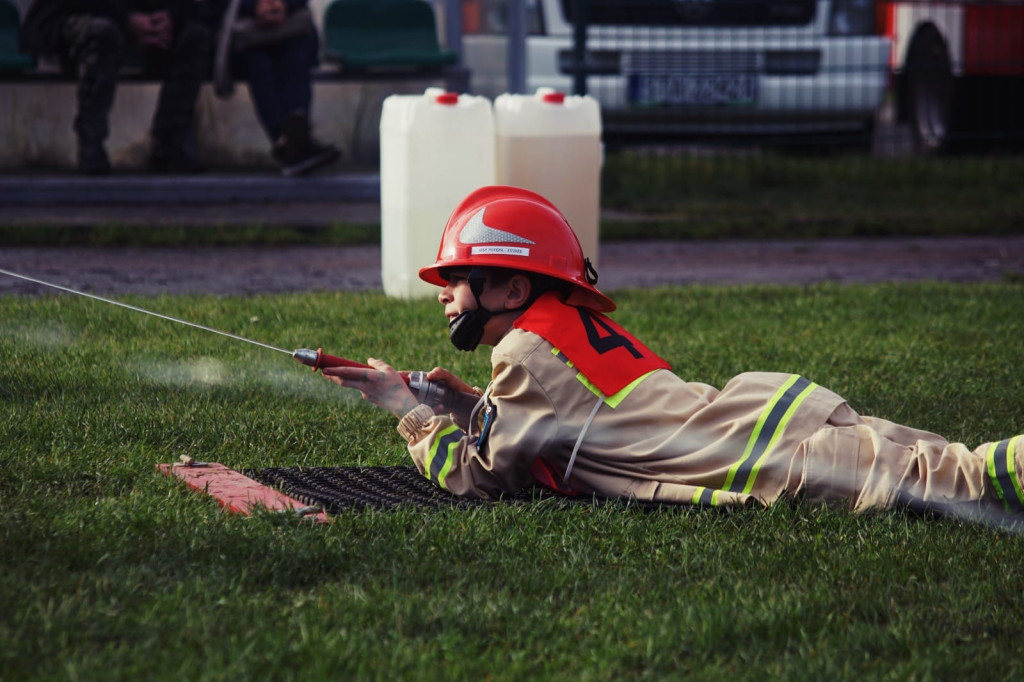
(453, 26)
(581, 17)
(516, 51)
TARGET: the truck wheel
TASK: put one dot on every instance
(930, 92)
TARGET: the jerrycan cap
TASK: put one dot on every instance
(551, 96)
(447, 98)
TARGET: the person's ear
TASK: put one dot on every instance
(518, 292)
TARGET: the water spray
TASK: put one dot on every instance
(427, 392)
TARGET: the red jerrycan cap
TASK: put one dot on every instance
(553, 97)
(448, 98)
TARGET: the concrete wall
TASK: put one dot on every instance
(36, 128)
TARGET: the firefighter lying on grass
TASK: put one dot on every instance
(579, 405)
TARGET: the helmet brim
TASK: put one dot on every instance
(583, 294)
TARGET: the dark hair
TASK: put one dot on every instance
(539, 284)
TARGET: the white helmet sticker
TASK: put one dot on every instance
(500, 251)
(476, 231)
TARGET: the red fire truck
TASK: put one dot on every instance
(958, 69)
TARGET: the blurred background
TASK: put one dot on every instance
(671, 77)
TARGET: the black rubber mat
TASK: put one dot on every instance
(339, 488)
(336, 489)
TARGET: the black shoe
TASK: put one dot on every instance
(175, 160)
(297, 151)
(299, 161)
(295, 130)
(92, 160)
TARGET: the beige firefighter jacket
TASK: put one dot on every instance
(664, 439)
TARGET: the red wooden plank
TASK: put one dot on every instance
(235, 492)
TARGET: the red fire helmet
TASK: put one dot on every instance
(510, 227)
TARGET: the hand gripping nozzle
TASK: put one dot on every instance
(433, 393)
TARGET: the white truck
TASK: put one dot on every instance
(700, 68)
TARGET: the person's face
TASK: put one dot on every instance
(270, 10)
(457, 297)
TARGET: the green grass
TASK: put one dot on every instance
(772, 196)
(111, 571)
(663, 196)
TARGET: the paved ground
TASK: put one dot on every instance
(622, 264)
(322, 200)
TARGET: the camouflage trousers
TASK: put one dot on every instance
(95, 48)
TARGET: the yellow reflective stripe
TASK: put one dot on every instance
(705, 497)
(616, 399)
(1002, 471)
(437, 467)
(778, 434)
(586, 382)
(612, 401)
(770, 426)
(755, 435)
(990, 464)
(449, 460)
(768, 429)
(579, 375)
(1010, 466)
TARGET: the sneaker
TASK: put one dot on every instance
(300, 161)
(295, 130)
(92, 160)
(297, 151)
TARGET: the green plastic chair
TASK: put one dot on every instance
(363, 34)
(10, 22)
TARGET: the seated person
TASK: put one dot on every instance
(91, 40)
(274, 44)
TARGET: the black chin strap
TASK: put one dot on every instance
(466, 330)
(476, 279)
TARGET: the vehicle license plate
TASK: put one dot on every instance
(692, 89)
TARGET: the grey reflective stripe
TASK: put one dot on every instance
(1000, 470)
(440, 462)
(772, 422)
